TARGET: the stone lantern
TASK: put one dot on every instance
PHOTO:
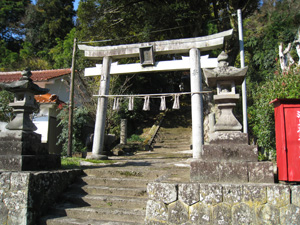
(20, 147)
(24, 103)
(228, 157)
(225, 78)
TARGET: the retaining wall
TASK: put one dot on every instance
(25, 196)
(200, 203)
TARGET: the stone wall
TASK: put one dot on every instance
(199, 203)
(25, 196)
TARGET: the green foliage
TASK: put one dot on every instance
(81, 118)
(11, 13)
(261, 113)
(6, 112)
(62, 52)
(264, 30)
(275, 22)
(7, 57)
(47, 20)
(135, 138)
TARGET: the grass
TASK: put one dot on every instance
(135, 138)
(74, 162)
(130, 173)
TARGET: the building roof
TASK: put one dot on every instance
(37, 75)
(49, 98)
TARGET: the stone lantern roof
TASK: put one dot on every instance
(224, 72)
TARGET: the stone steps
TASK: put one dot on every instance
(72, 221)
(115, 201)
(117, 194)
(98, 213)
(106, 190)
(124, 182)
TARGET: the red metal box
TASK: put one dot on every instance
(287, 131)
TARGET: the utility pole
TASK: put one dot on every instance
(71, 104)
(242, 58)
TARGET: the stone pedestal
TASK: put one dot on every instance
(23, 151)
(229, 158)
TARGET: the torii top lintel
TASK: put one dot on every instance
(205, 43)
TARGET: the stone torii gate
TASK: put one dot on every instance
(146, 52)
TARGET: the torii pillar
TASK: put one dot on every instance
(197, 102)
(98, 142)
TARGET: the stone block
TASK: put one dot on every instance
(261, 172)
(278, 195)
(21, 148)
(204, 171)
(5, 180)
(178, 213)
(189, 193)
(290, 215)
(157, 211)
(29, 162)
(20, 136)
(19, 181)
(11, 163)
(232, 193)
(267, 214)
(3, 213)
(255, 194)
(242, 214)
(201, 213)
(295, 192)
(211, 193)
(16, 203)
(153, 222)
(229, 153)
(228, 138)
(234, 172)
(164, 192)
(222, 214)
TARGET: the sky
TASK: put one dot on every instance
(76, 4)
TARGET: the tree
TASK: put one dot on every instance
(11, 31)
(275, 22)
(47, 20)
(11, 14)
(61, 54)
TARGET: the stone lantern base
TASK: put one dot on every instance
(229, 158)
(23, 151)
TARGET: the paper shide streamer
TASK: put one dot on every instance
(146, 106)
(116, 105)
(176, 104)
(162, 103)
(131, 104)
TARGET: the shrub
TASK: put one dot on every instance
(261, 113)
(80, 120)
(6, 112)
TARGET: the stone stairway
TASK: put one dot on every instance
(117, 193)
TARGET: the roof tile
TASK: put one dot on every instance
(37, 75)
